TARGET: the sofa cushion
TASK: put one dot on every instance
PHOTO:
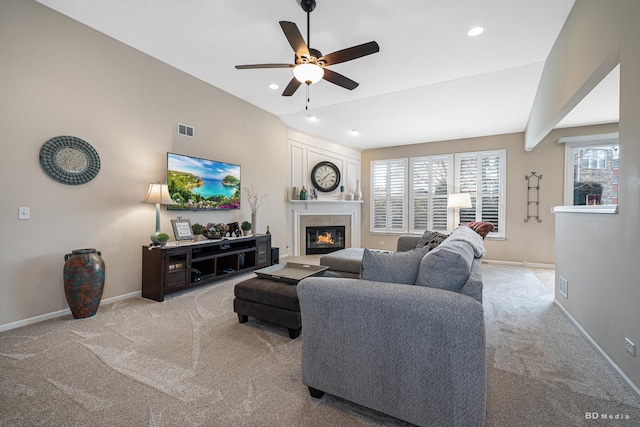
(431, 239)
(447, 266)
(394, 267)
(482, 228)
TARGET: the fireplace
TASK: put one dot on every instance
(324, 239)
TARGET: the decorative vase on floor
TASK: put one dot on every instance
(358, 193)
(83, 281)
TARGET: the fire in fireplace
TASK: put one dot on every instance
(324, 239)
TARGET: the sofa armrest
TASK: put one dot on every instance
(412, 352)
(407, 242)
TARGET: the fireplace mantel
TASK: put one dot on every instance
(326, 207)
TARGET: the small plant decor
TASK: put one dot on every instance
(246, 228)
(162, 238)
(197, 228)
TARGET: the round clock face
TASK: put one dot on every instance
(325, 176)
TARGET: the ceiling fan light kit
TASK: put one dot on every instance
(309, 64)
(308, 73)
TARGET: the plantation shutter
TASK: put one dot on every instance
(482, 175)
(389, 192)
(430, 183)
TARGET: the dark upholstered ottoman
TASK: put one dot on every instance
(271, 301)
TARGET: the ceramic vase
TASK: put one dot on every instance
(83, 276)
(254, 222)
(358, 194)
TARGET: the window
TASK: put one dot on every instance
(591, 169)
(482, 175)
(410, 195)
(388, 185)
(430, 183)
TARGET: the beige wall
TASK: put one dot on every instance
(598, 254)
(530, 242)
(58, 77)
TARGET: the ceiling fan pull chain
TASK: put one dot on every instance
(306, 107)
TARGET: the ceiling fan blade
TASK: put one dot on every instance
(339, 79)
(350, 53)
(248, 67)
(295, 39)
(291, 88)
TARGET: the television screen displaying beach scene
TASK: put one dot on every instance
(201, 184)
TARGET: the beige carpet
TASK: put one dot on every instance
(188, 362)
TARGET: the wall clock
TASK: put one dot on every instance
(325, 176)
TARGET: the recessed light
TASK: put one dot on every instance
(475, 31)
(312, 118)
(354, 132)
(274, 86)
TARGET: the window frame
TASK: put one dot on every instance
(585, 142)
(453, 185)
(412, 192)
(479, 155)
(372, 210)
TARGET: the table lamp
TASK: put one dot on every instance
(458, 201)
(158, 194)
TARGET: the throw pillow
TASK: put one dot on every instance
(431, 239)
(395, 267)
(482, 228)
(446, 267)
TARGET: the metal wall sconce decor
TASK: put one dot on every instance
(533, 205)
(69, 160)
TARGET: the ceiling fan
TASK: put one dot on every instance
(310, 65)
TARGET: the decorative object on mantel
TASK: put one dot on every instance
(350, 196)
(342, 192)
(182, 229)
(295, 194)
(533, 205)
(83, 277)
(358, 194)
(158, 194)
(303, 193)
(69, 160)
(268, 232)
(246, 228)
(255, 202)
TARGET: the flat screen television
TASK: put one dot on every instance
(201, 184)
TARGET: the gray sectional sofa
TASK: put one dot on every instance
(414, 350)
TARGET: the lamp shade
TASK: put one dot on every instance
(308, 73)
(459, 200)
(158, 193)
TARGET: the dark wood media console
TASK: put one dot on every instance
(184, 265)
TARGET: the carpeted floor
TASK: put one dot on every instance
(188, 362)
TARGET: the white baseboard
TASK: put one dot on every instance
(60, 313)
(598, 348)
(520, 263)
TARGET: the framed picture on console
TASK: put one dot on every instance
(182, 229)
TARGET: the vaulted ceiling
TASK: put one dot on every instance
(429, 82)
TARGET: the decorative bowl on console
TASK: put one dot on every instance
(214, 231)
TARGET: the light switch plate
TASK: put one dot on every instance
(23, 213)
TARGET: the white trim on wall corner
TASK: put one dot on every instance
(598, 348)
(60, 313)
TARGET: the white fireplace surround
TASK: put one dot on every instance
(300, 208)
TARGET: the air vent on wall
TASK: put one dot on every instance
(185, 130)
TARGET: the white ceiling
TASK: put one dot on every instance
(429, 82)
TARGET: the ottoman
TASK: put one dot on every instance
(347, 261)
(271, 301)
